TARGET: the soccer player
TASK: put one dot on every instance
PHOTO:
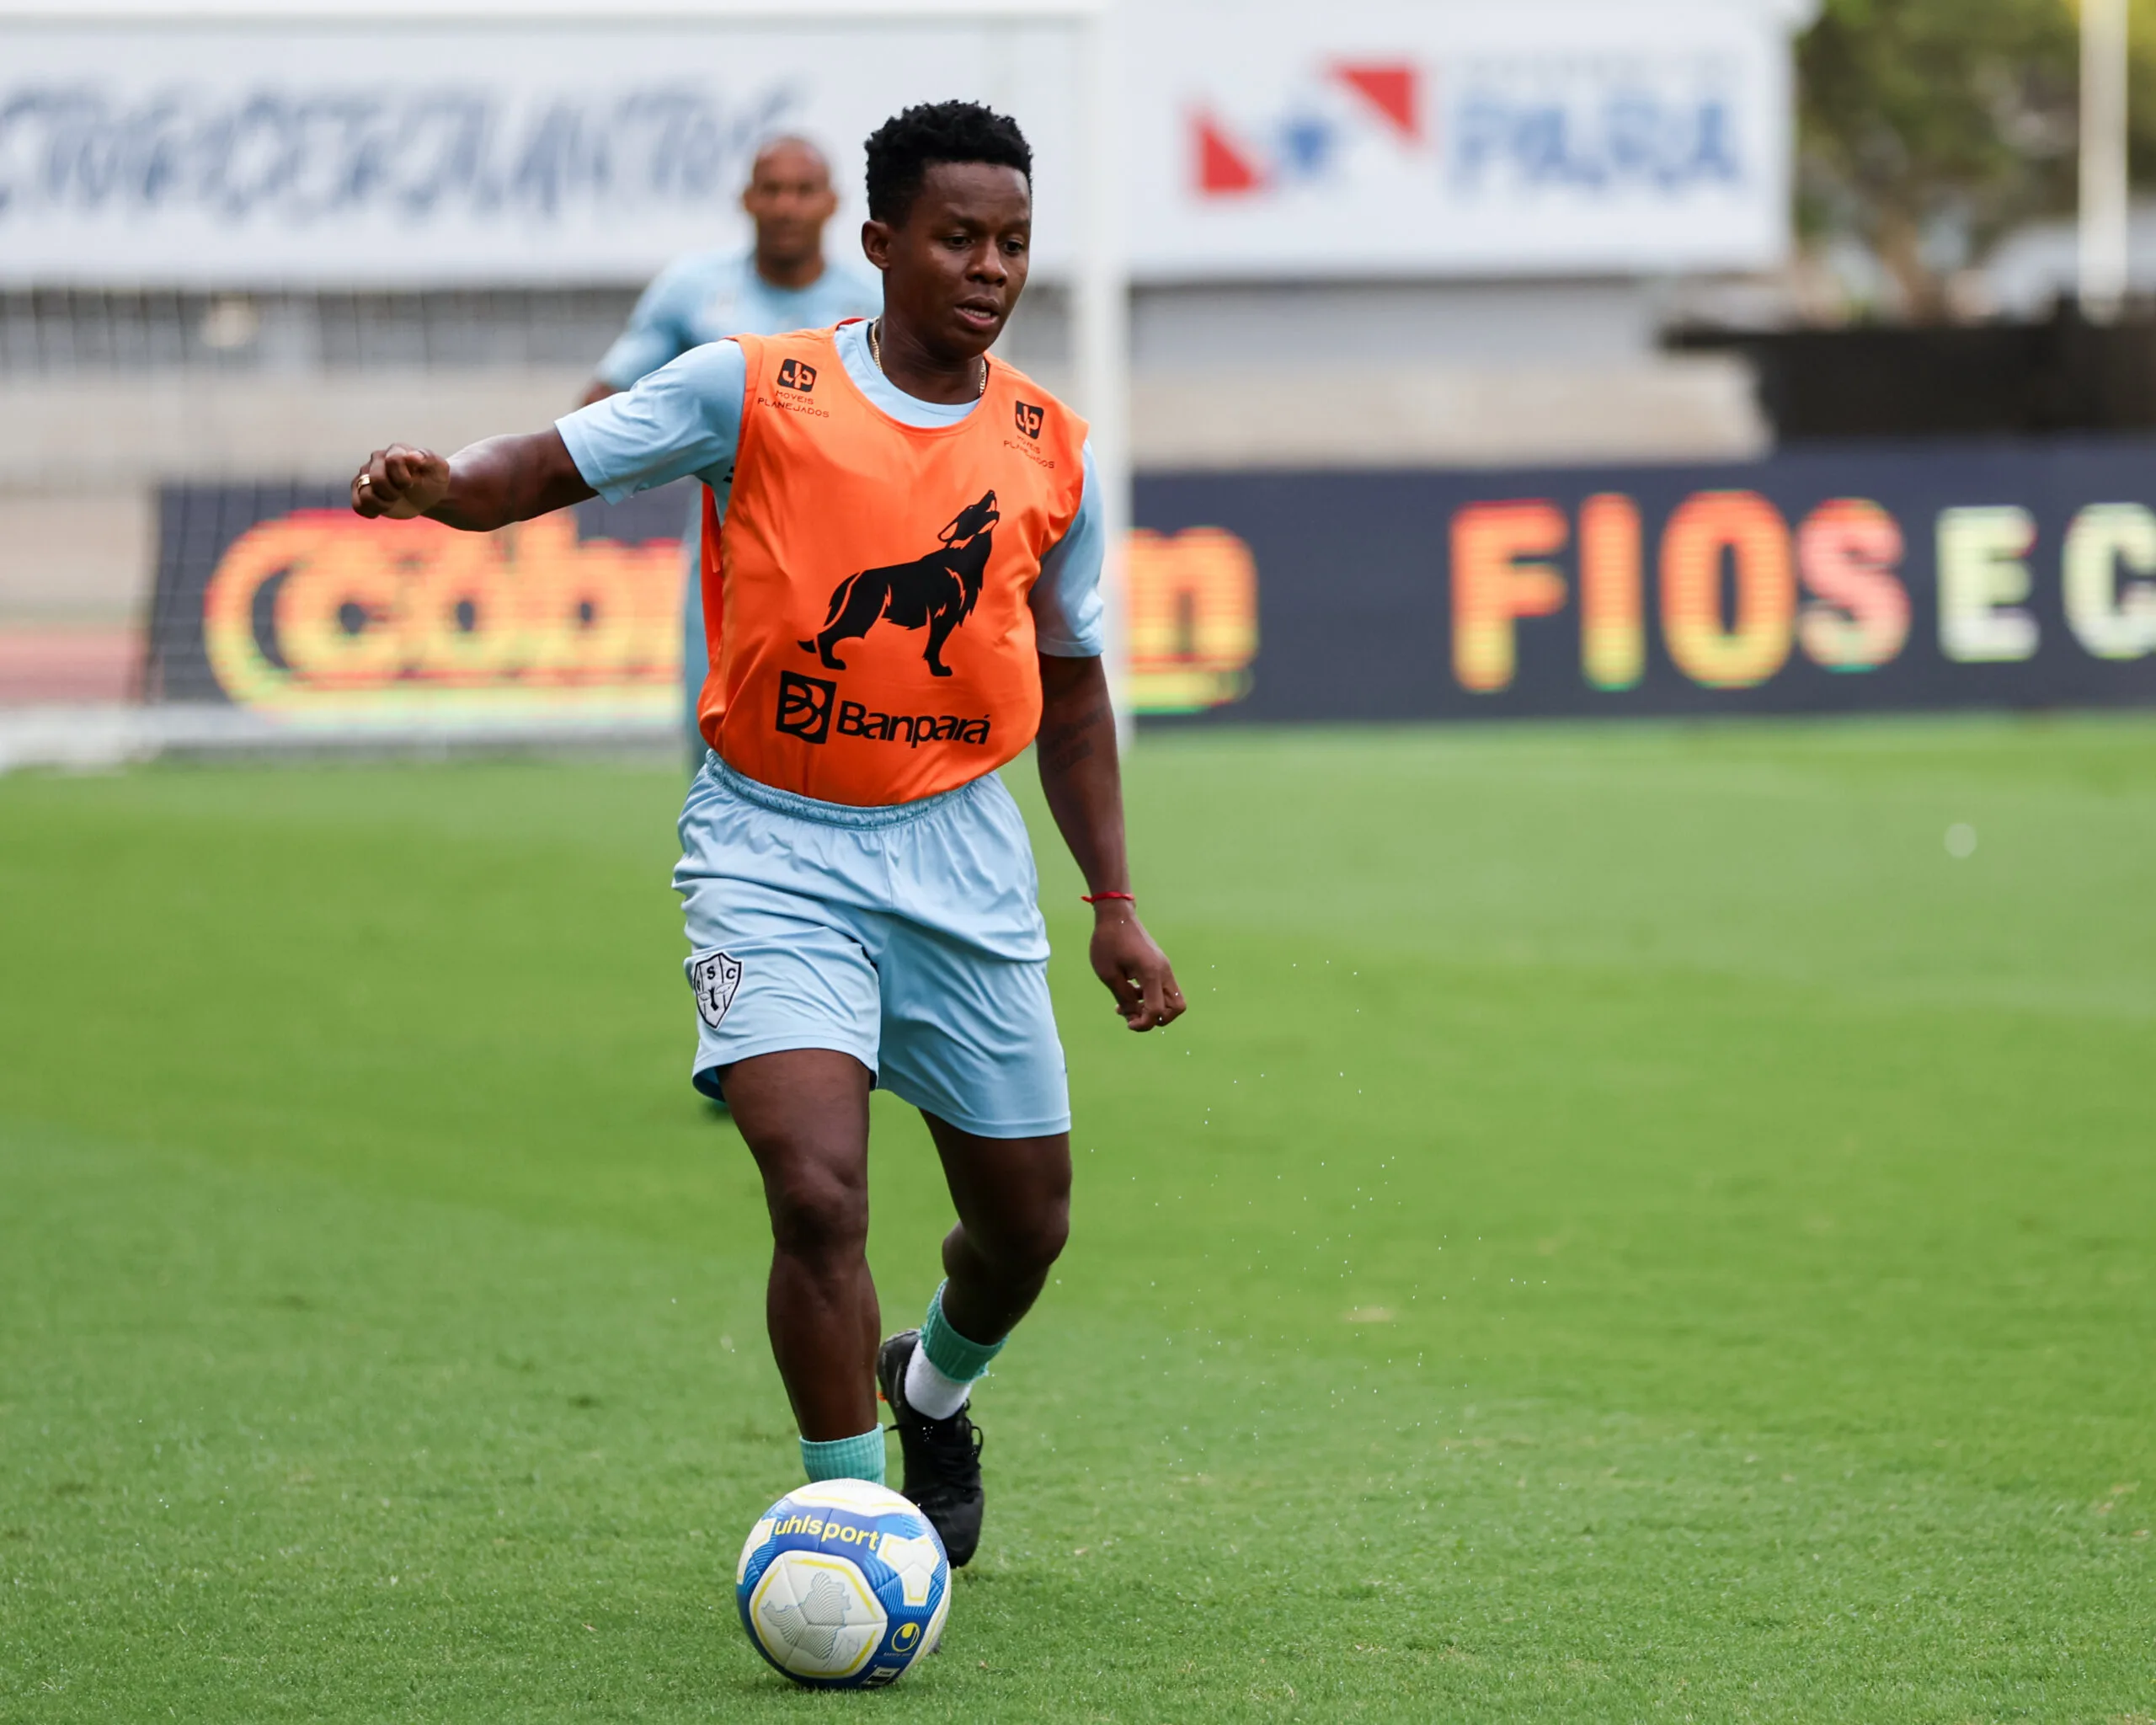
(901, 558)
(782, 282)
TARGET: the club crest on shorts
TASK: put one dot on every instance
(715, 977)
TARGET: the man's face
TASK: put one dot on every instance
(954, 268)
(789, 198)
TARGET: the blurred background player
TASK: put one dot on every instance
(783, 282)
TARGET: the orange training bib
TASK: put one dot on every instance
(865, 597)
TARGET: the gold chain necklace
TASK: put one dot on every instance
(875, 353)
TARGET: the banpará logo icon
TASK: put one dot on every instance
(804, 706)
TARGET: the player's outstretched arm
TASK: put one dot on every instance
(482, 487)
(1083, 780)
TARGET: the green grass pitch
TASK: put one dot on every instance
(1631, 1229)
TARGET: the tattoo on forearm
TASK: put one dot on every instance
(1062, 756)
(1063, 746)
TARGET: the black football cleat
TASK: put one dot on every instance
(942, 1456)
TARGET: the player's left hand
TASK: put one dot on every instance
(1135, 969)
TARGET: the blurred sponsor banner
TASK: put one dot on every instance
(1538, 137)
(1856, 579)
(1191, 618)
(1270, 139)
(403, 153)
(277, 598)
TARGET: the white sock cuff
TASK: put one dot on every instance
(929, 1391)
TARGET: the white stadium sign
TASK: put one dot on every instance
(1436, 139)
(1259, 139)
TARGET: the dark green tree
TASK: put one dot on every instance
(1924, 118)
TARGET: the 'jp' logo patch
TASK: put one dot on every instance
(804, 706)
(715, 977)
(1029, 418)
(793, 374)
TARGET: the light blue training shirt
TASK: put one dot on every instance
(684, 420)
(709, 296)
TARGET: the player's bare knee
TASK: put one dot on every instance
(1026, 1252)
(1053, 1236)
(820, 1215)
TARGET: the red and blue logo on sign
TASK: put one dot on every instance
(1304, 141)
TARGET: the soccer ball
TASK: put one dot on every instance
(843, 1584)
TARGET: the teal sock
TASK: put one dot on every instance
(960, 1360)
(846, 1458)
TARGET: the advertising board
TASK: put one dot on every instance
(1854, 580)
(1262, 140)
(1537, 138)
(277, 598)
(233, 154)
(1850, 579)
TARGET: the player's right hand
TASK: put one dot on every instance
(400, 482)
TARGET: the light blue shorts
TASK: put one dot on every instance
(909, 937)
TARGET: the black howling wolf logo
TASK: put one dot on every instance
(936, 592)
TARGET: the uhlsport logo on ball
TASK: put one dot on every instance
(843, 1584)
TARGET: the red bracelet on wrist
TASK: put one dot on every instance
(1098, 897)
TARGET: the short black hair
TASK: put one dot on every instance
(902, 150)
